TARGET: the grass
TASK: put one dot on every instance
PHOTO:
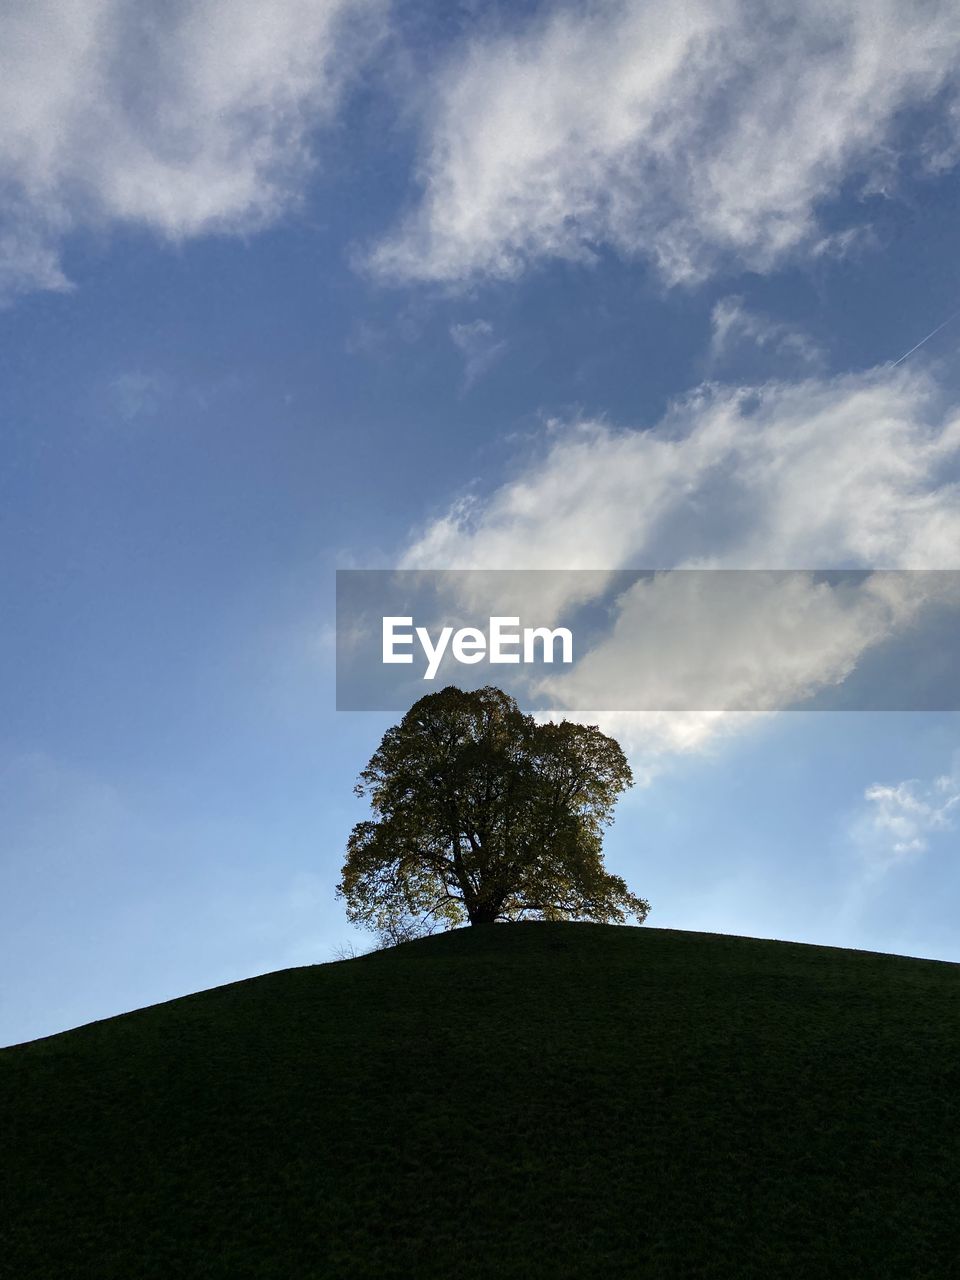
(539, 1100)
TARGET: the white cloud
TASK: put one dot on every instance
(899, 820)
(691, 134)
(136, 395)
(850, 472)
(734, 326)
(184, 117)
(750, 641)
(846, 472)
(479, 347)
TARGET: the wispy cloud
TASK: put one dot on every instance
(183, 118)
(848, 472)
(479, 346)
(845, 472)
(136, 395)
(692, 134)
(899, 820)
(734, 327)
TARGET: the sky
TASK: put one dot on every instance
(327, 284)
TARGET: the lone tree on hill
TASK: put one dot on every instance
(482, 814)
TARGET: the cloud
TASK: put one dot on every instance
(848, 472)
(899, 820)
(478, 346)
(136, 395)
(855, 471)
(742, 641)
(694, 135)
(735, 327)
(184, 118)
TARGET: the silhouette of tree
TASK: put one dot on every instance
(482, 815)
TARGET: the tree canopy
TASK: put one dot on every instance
(482, 814)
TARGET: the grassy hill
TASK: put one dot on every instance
(516, 1101)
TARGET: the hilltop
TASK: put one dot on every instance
(533, 1100)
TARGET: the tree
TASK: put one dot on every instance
(482, 815)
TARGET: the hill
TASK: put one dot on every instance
(534, 1100)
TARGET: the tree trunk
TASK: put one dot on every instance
(482, 913)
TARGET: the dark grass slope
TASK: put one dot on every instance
(515, 1101)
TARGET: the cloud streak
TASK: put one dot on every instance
(855, 471)
(479, 346)
(899, 820)
(847, 472)
(185, 118)
(693, 135)
(735, 327)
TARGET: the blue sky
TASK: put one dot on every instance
(313, 285)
